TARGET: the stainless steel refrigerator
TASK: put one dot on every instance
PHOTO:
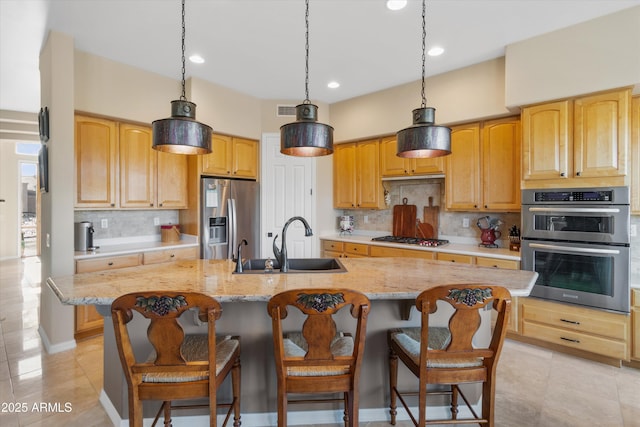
(230, 212)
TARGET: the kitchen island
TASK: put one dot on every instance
(389, 282)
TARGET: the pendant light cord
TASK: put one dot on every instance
(306, 49)
(424, 37)
(183, 97)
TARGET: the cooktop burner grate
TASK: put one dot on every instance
(411, 240)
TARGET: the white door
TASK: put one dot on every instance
(287, 189)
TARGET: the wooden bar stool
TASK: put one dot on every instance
(319, 359)
(181, 365)
(446, 355)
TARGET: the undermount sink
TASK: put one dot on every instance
(296, 265)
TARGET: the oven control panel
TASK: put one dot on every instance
(574, 196)
(606, 196)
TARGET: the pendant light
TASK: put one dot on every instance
(306, 137)
(181, 133)
(424, 138)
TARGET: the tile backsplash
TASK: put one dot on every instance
(417, 193)
(121, 223)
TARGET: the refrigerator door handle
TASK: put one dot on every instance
(233, 227)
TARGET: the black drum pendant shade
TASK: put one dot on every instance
(181, 133)
(424, 138)
(306, 137)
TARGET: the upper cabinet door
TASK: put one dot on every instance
(601, 134)
(501, 164)
(463, 168)
(137, 167)
(245, 158)
(368, 183)
(96, 162)
(344, 176)
(172, 175)
(390, 164)
(546, 138)
(218, 162)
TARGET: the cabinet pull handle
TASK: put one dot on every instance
(570, 340)
(573, 322)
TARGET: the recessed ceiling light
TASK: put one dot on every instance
(396, 4)
(196, 59)
(435, 51)
(333, 85)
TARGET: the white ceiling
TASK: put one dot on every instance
(257, 46)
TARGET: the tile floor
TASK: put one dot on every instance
(536, 387)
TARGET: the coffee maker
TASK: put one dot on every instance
(83, 236)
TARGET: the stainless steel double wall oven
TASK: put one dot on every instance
(578, 241)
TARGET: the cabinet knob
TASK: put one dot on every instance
(486, 206)
(172, 255)
(453, 260)
(110, 263)
(151, 204)
(562, 174)
(578, 173)
(113, 204)
(160, 204)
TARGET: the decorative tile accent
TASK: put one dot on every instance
(161, 306)
(320, 302)
(468, 296)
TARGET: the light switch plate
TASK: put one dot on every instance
(633, 231)
(104, 223)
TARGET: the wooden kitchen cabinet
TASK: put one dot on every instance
(483, 171)
(635, 155)
(577, 142)
(96, 158)
(459, 258)
(172, 175)
(573, 327)
(87, 320)
(337, 249)
(137, 167)
(170, 255)
(356, 175)
(231, 156)
(391, 165)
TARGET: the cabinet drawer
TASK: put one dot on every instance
(107, 263)
(591, 343)
(383, 251)
(462, 259)
(358, 249)
(507, 264)
(578, 319)
(332, 245)
(168, 255)
(331, 254)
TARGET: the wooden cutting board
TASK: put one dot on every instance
(404, 219)
(424, 230)
(432, 217)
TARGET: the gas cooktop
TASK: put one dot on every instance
(411, 240)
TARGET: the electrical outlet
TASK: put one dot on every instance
(366, 219)
(104, 223)
(465, 222)
(633, 231)
(156, 221)
(48, 240)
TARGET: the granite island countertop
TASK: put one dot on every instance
(378, 278)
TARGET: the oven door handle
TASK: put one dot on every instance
(569, 249)
(576, 210)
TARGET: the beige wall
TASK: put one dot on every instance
(600, 54)
(467, 94)
(57, 77)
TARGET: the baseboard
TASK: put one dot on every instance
(55, 348)
(294, 418)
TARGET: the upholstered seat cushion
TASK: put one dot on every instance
(195, 348)
(296, 346)
(408, 339)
